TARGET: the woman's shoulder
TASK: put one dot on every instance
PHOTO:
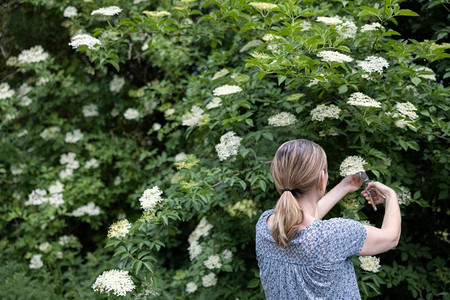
(263, 217)
(341, 223)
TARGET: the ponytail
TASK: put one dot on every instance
(287, 216)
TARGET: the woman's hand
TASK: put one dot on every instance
(377, 190)
(352, 183)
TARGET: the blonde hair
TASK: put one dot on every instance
(296, 170)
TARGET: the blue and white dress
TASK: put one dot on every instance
(316, 263)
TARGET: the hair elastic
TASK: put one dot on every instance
(287, 190)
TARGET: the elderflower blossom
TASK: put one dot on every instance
(73, 136)
(249, 45)
(17, 170)
(229, 144)
(32, 55)
(36, 197)
(116, 84)
(371, 27)
(333, 56)
(215, 102)
(36, 262)
(70, 11)
(347, 29)
(429, 76)
(84, 40)
(220, 74)
(282, 119)
(263, 6)
(260, 56)
(209, 280)
(404, 196)
(227, 254)
(69, 160)
(117, 282)
(119, 229)
(244, 207)
(156, 126)
(90, 110)
(323, 111)
(23, 90)
(64, 240)
(107, 11)
(213, 262)
(150, 198)
(45, 247)
(193, 117)
(373, 64)
(6, 91)
(352, 165)
(131, 114)
(359, 99)
(407, 110)
(269, 37)
(329, 20)
(226, 90)
(180, 156)
(89, 209)
(370, 263)
(56, 188)
(191, 287)
(202, 230)
(402, 123)
(157, 14)
(91, 164)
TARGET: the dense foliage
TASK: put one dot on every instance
(139, 138)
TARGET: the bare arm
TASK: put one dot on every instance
(349, 184)
(379, 240)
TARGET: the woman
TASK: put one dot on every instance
(302, 257)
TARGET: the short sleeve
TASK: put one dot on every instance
(347, 237)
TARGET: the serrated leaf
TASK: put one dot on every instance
(407, 12)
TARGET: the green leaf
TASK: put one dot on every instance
(407, 12)
(253, 283)
(268, 136)
(342, 89)
(416, 81)
(281, 79)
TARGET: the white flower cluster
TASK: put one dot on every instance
(156, 126)
(90, 110)
(45, 247)
(53, 197)
(323, 111)
(70, 163)
(116, 84)
(6, 91)
(329, 20)
(73, 136)
(107, 11)
(193, 117)
(70, 11)
(157, 14)
(407, 110)
(32, 55)
(213, 262)
(227, 254)
(131, 114)
(119, 229)
(347, 29)
(117, 282)
(84, 39)
(370, 263)
(263, 5)
(226, 90)
(229, 144)
(89, 209)
(270, 37)
(202, 230)
(371, 27)
(36, 262)
(282, 119)
(373, 64)
(150, 198)
(91, 164)
(191, 287)
(215, 102)
(180, 156)
(220, 74)
(24, 100)
(359, 99)
(333, 56)
(17, 169)
(352, 165)
(249, 45)
(67, 239)
(50, 132)
(429, 73)
(404, 197)
(209, 280)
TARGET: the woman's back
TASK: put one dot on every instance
(316, 263)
